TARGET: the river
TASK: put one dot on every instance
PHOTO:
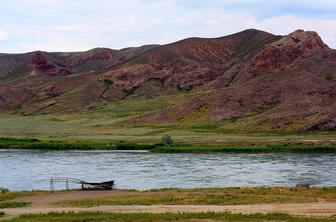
(32, 169)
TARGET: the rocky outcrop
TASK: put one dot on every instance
(279, 54)
(54, 64)
(40, 63)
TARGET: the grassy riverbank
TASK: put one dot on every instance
(155, 203)
(30, 143)
(289, 148)
(110, 123)
(148, 217)
(195, 196)
(209, 196)
(7, 197)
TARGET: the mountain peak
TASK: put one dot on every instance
(309, 39)
(296, 45)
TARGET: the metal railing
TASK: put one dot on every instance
(65, 180)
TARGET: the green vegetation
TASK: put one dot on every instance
(27, 143)
(4, 190)
(166, 140)
(6, 195)
(113, 127)
(294, 148)
(14, 195)
(329, 76)
(13, 204)
(165, 146)
(210, 196)
(148, 217)
(115, 122)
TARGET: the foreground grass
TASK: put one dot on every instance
(4, 205)
(210, 196)
(6, 196)
(127, 217)
(14, 195)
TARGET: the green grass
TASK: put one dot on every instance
(27, 143)
(103, 127)
(294, 148)
(148, 217)
(5, 196)
(30, 143)
(14, 195)
(13, 204)
(110, 123)
(210, 196)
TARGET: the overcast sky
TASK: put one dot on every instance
(77, 25)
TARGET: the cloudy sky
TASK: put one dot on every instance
(75, 25)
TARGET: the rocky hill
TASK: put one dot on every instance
(260, 80)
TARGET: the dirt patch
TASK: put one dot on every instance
(307, 209)
(43, 200)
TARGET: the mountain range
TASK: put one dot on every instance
(253, 78)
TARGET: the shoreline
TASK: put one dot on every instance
(36, 144)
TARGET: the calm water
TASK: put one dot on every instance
(27, 170)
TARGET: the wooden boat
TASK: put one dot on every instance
(108, 185)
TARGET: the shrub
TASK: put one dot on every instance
(166, 140)
(108, 82)
(4, 190)
(329, 76)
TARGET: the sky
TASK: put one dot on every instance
(79, 25)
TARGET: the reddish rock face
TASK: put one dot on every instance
(278, 55)
(40, 63)
(131, 77)
(52, 91)
(96, 58)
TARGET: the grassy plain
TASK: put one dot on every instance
(107, 127)
(210, 196)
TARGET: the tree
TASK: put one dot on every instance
(166, 140)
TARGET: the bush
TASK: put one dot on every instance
(329, 76)
(166, 140)
(4, 205)
(4, 190)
